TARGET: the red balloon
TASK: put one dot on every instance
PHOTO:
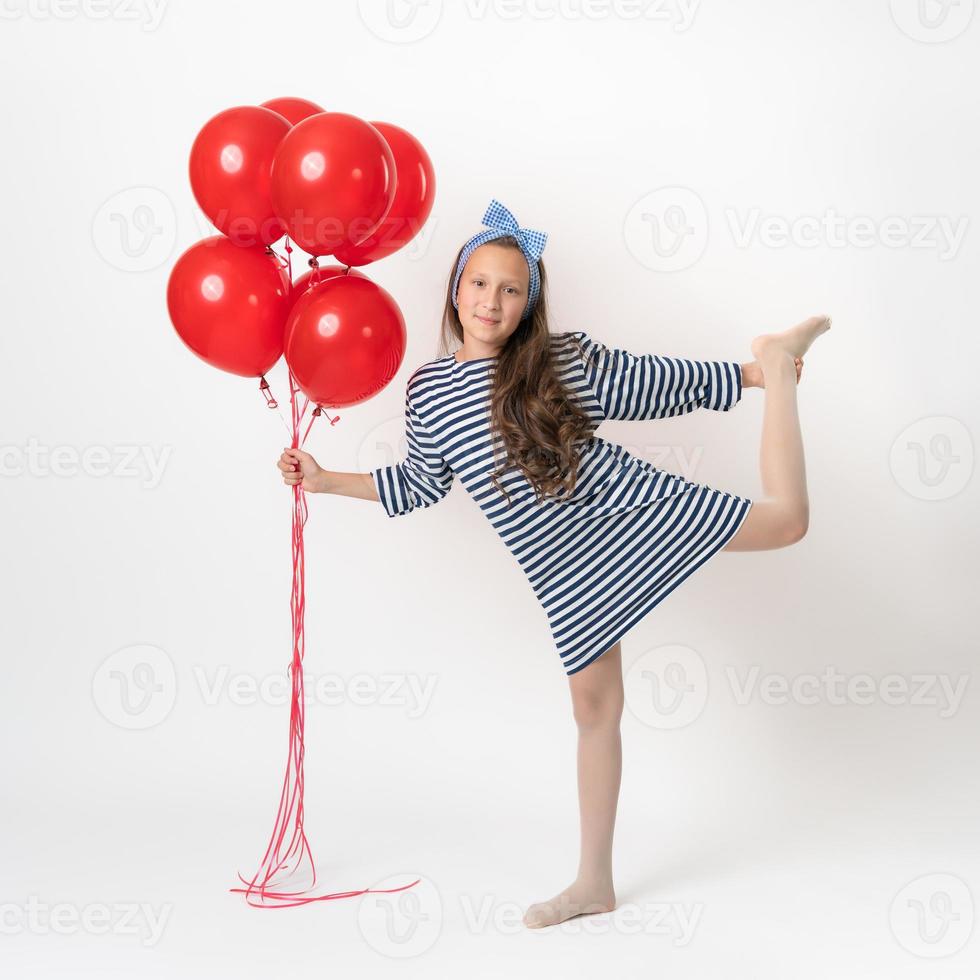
(325, 272)
(230, 170)
(229, 305)
(345, 340)
(333, 181)
(295, 110)
(414, 194)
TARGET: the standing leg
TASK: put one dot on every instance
(597, 703)
(781, 518)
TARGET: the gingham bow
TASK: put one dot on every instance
(500, 219)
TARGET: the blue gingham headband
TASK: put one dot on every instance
(500, 222)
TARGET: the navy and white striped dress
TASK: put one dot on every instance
(599, 560)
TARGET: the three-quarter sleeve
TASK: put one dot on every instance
(654, 386)
(421, 479)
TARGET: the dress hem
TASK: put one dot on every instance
(620, 632)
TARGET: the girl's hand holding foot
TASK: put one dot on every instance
(752, 376)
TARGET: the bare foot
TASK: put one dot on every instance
(580, 898)
(795, 342)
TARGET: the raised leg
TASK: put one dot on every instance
(782, 517)
(597, 704)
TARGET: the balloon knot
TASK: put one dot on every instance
(267, 393)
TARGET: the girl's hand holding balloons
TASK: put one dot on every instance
(299, 467)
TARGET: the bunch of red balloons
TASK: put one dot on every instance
(336, 185)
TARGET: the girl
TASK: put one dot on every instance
(602, 536)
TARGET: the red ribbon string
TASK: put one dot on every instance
(288, 856)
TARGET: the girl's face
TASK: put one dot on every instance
(491, 296)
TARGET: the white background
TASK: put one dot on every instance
(803, 839)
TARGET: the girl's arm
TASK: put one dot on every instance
(421, 479)
(347, 484)
(655, 386)
(300, 467)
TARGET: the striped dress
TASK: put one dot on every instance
(601, 559)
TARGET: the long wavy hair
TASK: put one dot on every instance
(533, 416)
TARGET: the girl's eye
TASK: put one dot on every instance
(480, 282)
